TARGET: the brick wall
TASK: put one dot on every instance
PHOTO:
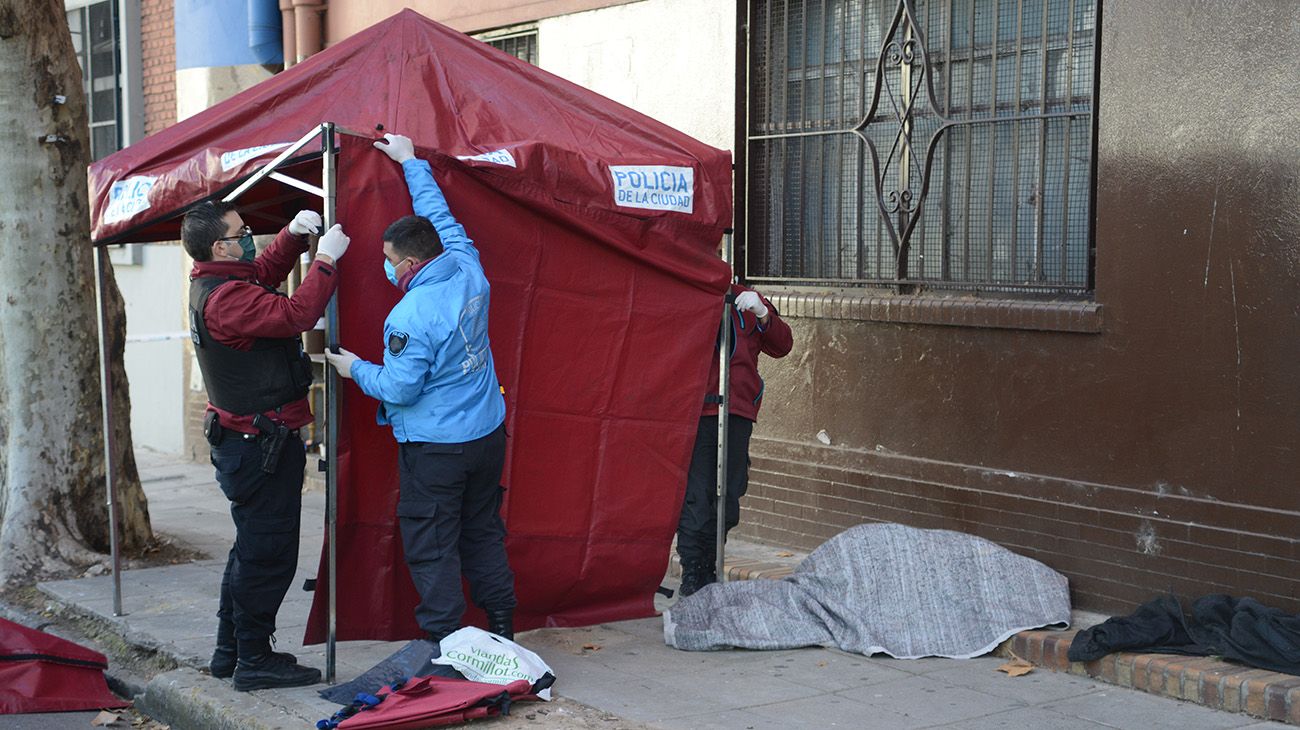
(1135, 547)
(158, 60)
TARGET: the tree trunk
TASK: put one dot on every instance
(53, 514)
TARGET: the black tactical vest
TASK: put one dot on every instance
(274, 373)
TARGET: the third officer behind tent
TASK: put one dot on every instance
(439, 392)
(246, 338)
(755, 327)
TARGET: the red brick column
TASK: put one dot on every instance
(158, 62)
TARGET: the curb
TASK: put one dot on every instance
(186, 698)
(121, 682)
(741, 569)
(1209, 682)
(182, 697)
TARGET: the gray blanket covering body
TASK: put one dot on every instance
(906, 592)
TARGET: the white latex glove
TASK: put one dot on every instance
(342, 362)
(750, 301)
(334, 243)
(398, 148)
(307, 221)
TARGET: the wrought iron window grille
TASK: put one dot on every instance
(1011, 214)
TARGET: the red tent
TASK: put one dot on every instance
(43, 673)
(597, 228)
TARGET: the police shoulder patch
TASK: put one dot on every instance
(397, 343)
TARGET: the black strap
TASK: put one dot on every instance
(51, 658)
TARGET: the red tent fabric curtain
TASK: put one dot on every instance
(603, 352)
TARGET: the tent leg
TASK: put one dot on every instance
(110, 452)
(723, 417)
(724, 408)
(328, 174)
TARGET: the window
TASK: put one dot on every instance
(95, 39)
(518, 41)
(920, 144)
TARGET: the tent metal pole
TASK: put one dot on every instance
(328, 183)
(273, 165)
(724, 409)
(110, 442)
(328, 192)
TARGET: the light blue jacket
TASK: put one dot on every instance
(438, 383)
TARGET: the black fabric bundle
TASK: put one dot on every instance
(1241, 629)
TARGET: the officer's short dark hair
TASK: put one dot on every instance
(202, 226)
(414, 236)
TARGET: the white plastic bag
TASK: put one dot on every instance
(484, 657)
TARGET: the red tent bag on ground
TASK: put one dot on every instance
(43, 673)
(433, 701)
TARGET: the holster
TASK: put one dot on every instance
(212, 430)
(272, 441)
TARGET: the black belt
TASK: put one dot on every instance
(255, 436)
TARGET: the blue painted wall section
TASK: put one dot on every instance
(213, 33)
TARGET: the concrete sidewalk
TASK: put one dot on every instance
(622, 670)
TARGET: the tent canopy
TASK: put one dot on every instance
(447, 92)
(597, 227)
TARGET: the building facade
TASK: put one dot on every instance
(1086, 355)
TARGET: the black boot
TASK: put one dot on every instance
(226, 654)
(501, 622)
(259, 668)
(223, 658)
(695, 575)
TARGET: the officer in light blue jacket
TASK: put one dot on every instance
(438, 390)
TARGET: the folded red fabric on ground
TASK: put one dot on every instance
(40, 672)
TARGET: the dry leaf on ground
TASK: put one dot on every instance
(104, 718)
(1016, 668)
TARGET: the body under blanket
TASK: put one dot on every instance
(880, 588)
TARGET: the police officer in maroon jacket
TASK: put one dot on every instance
(246, 338)
(755, 327)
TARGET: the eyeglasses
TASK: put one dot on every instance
(245, 231)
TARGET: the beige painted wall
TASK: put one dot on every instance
(199, 88)
(151, 287)
(470, 16)
(673, 60)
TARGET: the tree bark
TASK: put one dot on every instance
(53, 514)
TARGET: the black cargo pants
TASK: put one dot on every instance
(267, 511)
(697, 528)
(449, 512)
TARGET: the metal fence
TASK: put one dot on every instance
(930, 143)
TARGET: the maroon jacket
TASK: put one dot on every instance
(749, 339)
(239, 313)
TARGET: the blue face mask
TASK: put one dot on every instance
(390, 272)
